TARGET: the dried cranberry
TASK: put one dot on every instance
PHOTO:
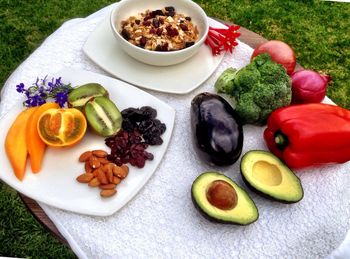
(125, 34)
(153, 31)
(159, 31)
(143, 41)
(183, 27)
(140, 162)
(147, 17)
(146, 23)
(165, 46)
(128, 147)
(171, 32)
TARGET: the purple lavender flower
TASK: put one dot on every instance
(20, 88)
(58, 81)
(61, 98)
(42, 89)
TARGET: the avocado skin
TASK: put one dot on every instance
(264, 194)
(214, 220)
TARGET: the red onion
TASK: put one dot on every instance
(309, 86)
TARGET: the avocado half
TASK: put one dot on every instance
(268, 176)
(221, 200)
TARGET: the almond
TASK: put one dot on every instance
(103, 160)
(109, 175)
(85, 178)
(88, 168)
(102, 177)
(109, 186)
(94, 182)
(94, 162)
(125, 168)
(108, 193)
(85, 156)
(116, 180)
(95, 172)
(119, 172)
(108, 167)
(100, 153)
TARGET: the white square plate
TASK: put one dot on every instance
(56, 183)
(102, 48)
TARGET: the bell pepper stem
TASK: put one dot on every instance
(281, 140)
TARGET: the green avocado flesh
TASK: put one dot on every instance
(235, 205)
(267, 175)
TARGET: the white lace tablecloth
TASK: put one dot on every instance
(161, 222)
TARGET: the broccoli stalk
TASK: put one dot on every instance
(257, 89)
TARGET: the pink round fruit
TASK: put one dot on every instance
(280, 52)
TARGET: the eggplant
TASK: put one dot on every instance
(216, 129)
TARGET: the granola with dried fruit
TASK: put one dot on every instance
(160, 30)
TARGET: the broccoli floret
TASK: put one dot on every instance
(257, 89)
(263, 95)
(224, 84)
(245, 79)
(247, 109)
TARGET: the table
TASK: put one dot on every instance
(250, 38)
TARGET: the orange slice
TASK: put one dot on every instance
(36, 147)
(62, 127)
(15, 143)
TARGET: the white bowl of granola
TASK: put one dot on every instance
(159, 32)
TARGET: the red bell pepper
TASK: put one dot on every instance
(309, 134)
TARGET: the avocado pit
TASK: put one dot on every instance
(222, 195)
(266, 173)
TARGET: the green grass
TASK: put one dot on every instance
(318, 32)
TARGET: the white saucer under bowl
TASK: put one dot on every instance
(102, 48)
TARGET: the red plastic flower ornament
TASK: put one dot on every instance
(222, 39)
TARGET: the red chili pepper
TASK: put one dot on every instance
(309, 134)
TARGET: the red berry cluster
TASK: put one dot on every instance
(128, 147)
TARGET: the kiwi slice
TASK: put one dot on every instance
(78, 97)
(103, 116)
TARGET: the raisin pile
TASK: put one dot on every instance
(140, 129)
(128, 147)
(144, 121)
